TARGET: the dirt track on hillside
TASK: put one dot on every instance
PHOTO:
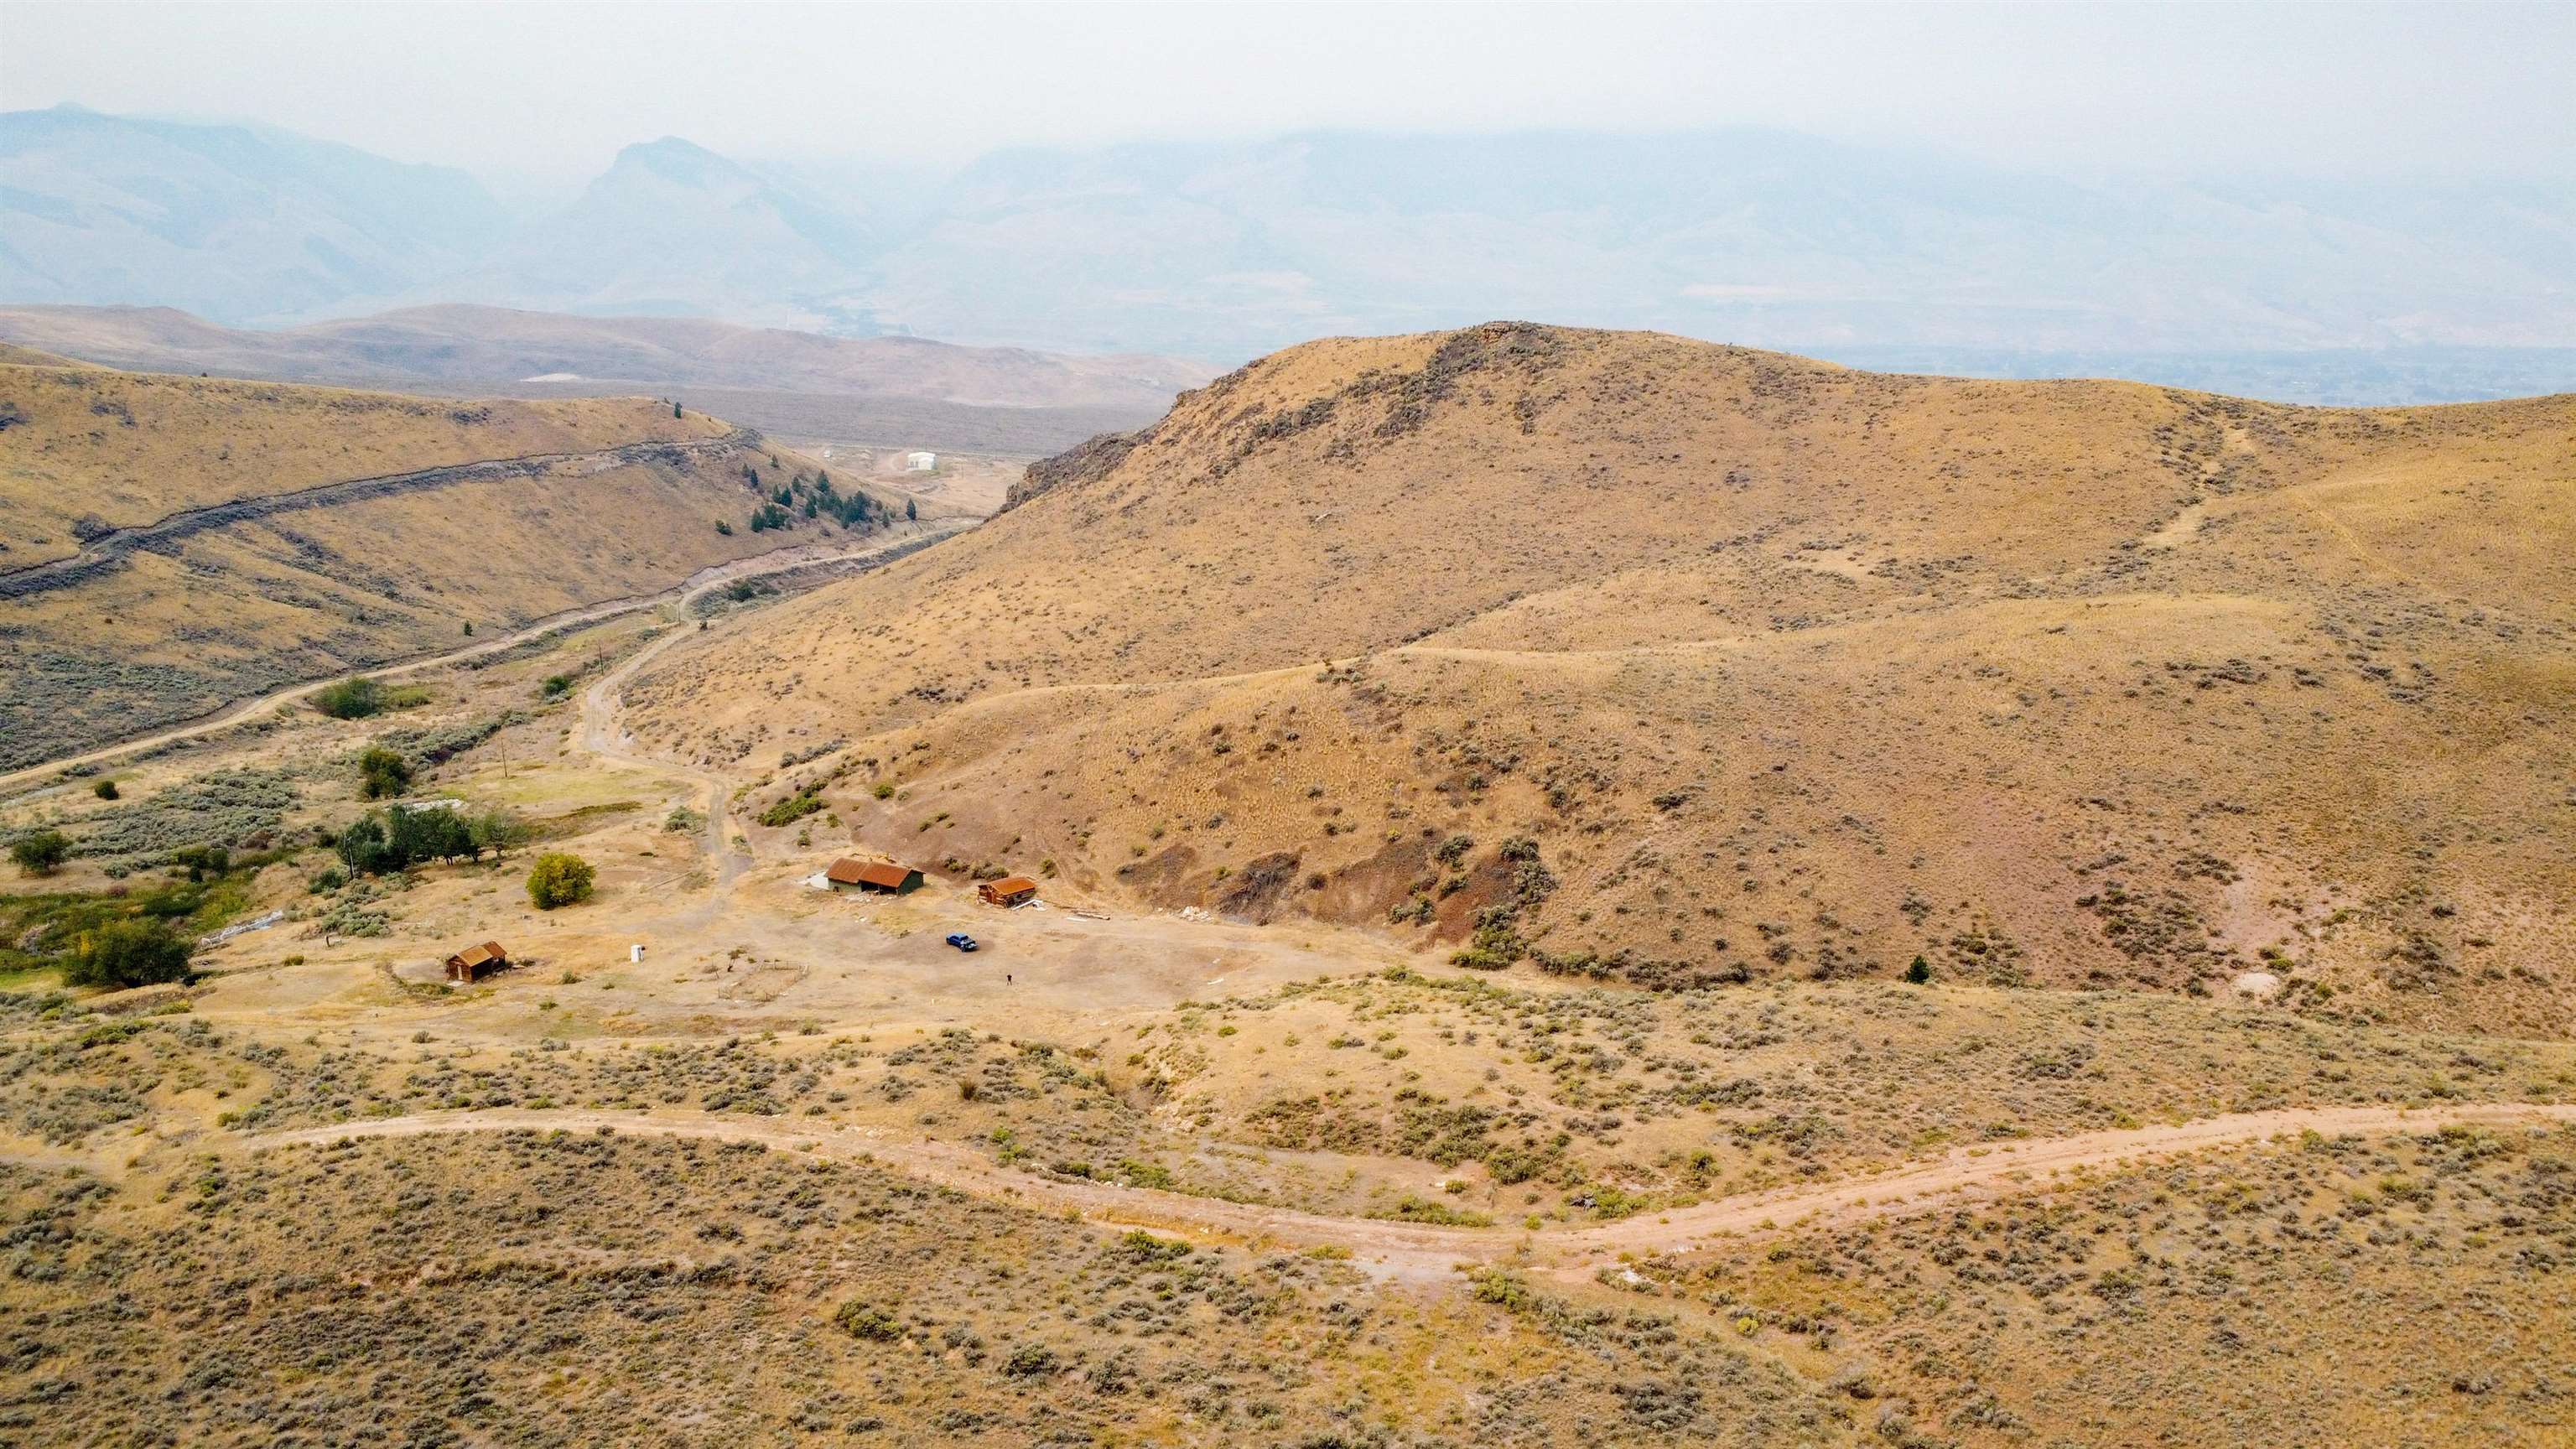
(110, 549)
(786, 560)
(1406, 1250)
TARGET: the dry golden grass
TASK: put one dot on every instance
(182, 627)
(128, 448)
(1830, 669)
(2060, 683)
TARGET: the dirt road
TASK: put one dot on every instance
(780, 561)
(1407, 1250)
(603, 736)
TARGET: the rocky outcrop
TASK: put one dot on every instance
(1093, 459)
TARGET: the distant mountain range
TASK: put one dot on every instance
(235, 222)
(1221, 250)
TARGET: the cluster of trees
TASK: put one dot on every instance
(139, 952)
(814, 498)
(397, 839)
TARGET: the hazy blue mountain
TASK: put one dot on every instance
(234, 222)
(1220, 251)
(673, 229)
(1749, 236)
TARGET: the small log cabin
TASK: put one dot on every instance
(873, 875)
(1010, 890)
(475, 962)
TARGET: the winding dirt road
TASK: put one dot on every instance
(1408, 1250)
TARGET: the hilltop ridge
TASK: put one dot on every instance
(1726, 664)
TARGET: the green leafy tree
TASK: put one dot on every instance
(41, 852)
(421, 836)
(495, 830)
(400, 839)
(363, 849)
(911, 510)
(558, 879)
(383, 773)
(1920, 972)
(130, 953)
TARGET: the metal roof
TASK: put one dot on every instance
(846, 871)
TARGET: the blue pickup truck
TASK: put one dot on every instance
(961, 940)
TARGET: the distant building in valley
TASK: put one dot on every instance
(920, 462)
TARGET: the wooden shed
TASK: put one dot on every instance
(873, 875)
(476, 962)
(1010, 890)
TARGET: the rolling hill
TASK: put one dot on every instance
(168, 544)
(1623, 655)
(459, 343)
(882, 391)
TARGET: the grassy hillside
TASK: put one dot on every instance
(171, 623)
(122, 449)
(1626, 655)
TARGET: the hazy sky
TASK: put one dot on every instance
(548, 92)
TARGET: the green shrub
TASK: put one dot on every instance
(859, 1320)
(104, 789)
(41, 852)
(556, 686)
(1145, 1248)
(884, 790)
(383, 773)
(1030, 1360)
(791, 809)
(130, 953)
(1920, 972)
(355, 697)
(558, 879)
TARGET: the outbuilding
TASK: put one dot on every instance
(1010, 890)
(476, 962)
(873, 875)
